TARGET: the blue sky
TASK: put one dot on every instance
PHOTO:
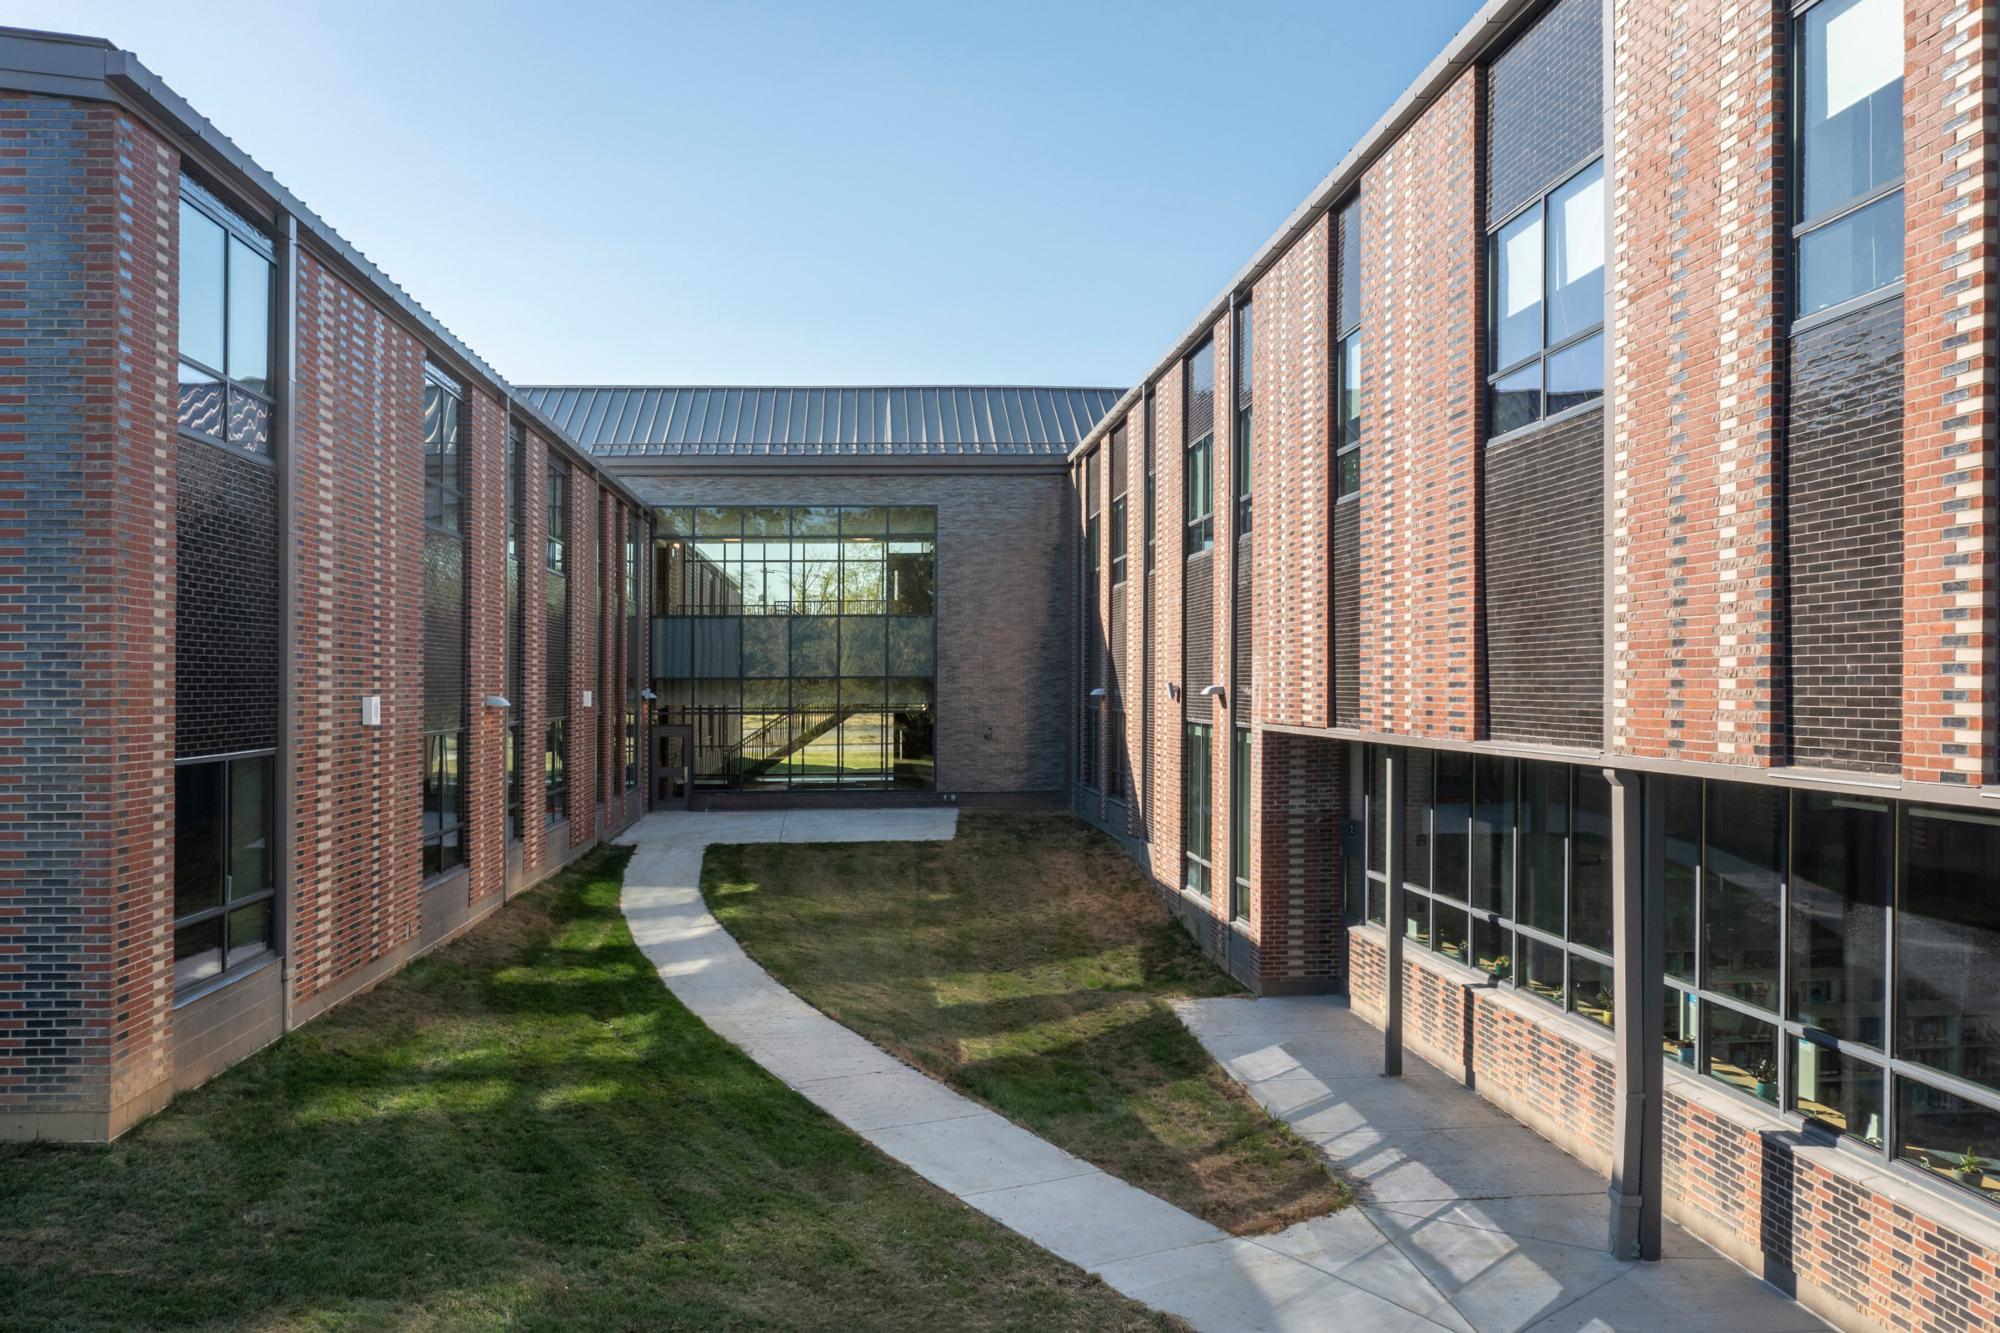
(838, 193)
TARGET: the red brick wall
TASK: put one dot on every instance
(1697, 383)
(486, 645)
(1421, 330)
(585, 559)
(534, 652)
(1292, 574)
(129, 479)
(1168, 530)
(1949, 477)
(357, 455)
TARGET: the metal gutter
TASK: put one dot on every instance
(1497, 22)
(94, 69)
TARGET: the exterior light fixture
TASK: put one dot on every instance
(1216, 693)
(497, 701)
(1099, 692)
(371, 710)
(586, 698)
(648, 695)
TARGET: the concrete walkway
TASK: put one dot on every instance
(1499, 1222)
(1415, 1259)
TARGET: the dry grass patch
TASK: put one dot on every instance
(1027, 964)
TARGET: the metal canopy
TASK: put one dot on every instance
(915, 421)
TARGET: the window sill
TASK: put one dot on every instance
(1528, 432)
(445, 877)
(242, 972)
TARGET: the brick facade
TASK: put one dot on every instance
(143, 565)
(1771, 548)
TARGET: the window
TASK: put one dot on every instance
(1239, 824)
(1347, 357)
(558, 542)
(225, 324)
(798, 643)
(1475, 827)
(555, 769)
(444, 407)
(1118, 533)
(445, 667)
(1240, 451)
(1198, 458)
(1849, 200)
(225, 874)
(1545, 341)
(1197, 809)
(444, 804)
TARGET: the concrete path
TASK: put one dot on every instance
(1418, 1258)
(1499, 1222)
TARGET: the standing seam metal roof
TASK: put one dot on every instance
(919, 421)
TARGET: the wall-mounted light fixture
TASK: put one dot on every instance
(371, 710)
(1099, 692)
(1173, 690)
(497, 701)
(648, 695)
(1216, 693)
(586, 698)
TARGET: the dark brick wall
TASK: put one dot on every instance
(1347, 614)
(1005, 552)
(225, 603)
(1544, 99)
(444, 631)
(1198, 643)
(1844, 542)
(1544, 612)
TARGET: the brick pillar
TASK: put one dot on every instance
(1291, 558)
(1168, 570)
(1424, 325)
(1949, 471)
(485, 759)
(1697, 380)
(533, 703)
(1294, 861)
(583, 582)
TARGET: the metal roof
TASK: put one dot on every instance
(928, 421)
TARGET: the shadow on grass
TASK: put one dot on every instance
(523, 1128)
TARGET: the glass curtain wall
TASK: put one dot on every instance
(799, 643)
(1832, 955)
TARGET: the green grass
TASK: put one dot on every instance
(1028, 964)
(523, 1130)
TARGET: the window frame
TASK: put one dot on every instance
(1802, 228)
(1198, 799)
(230, 902)
(1241, 436)
(1197, 460)
(193, 193)
(455, 822)
(1537, 203)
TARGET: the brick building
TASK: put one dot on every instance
(318, 640)
(1549, 596)
(834, 624)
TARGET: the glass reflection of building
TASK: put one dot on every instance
(798, 643)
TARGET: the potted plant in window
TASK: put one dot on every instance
(1766, 1074)
(1684, 1051)
(1971, 1169)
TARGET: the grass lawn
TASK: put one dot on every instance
(1028, 964)
(522, 1130)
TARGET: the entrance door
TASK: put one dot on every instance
(673, 750)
